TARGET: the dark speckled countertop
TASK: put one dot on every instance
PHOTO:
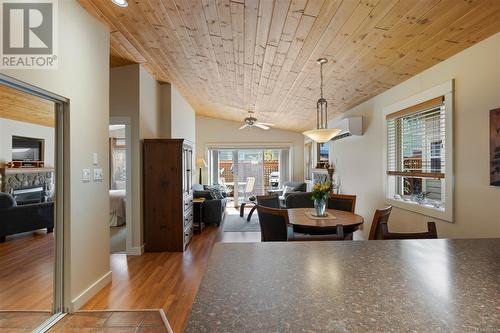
(352, 286)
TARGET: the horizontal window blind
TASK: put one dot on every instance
(416, 140)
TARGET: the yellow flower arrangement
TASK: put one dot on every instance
(321, 190)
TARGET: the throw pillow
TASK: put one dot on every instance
(215, 191)
(288, 189)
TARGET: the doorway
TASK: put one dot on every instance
(249, 171)
(32, 170)
(120, 217)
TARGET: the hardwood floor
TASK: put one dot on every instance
(22, 321)
(26, 274)
(163, 280)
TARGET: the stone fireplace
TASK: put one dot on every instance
(12, 179)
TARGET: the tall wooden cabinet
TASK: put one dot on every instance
(168, 196)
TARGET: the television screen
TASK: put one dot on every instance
(26, 149)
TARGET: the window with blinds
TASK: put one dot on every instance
(416, 152)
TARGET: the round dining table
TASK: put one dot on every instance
(302, 221)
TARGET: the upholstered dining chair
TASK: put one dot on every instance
(274, 227)
(379, 229)
(343, 202)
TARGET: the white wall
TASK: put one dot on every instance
(156, 111)
(83, 78)
(124, 102)
(149, 104)
(477, 204)
(183, 117)
(216, 131)
(9, 128)
(130, 87)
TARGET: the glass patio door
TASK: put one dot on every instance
(250, 174)
(246, 172)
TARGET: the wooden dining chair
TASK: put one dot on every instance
(431, 233)
(379, 229)
(274, 227)
(338, 236)
(343, 202)
(381, 216)
(271, 200)
(299, 200)
(273, 224)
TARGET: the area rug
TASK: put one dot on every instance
(235, 223)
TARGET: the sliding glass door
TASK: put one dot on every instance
(249, 171)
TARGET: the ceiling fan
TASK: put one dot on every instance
(251, 121)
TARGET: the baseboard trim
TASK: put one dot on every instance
(136, 251)
(91, 291)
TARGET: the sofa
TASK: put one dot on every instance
(213, 209)
(297, 186)
(16, 219)
(291, 187)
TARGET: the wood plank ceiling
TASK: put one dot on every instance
(20, 106)
(230, 56)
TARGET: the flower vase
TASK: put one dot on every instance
(320, 206)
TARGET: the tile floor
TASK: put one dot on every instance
(115, 321)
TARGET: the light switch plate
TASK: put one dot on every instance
(86, 175)
(95, 158)
(98, 175)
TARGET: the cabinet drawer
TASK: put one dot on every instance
(188, 203)
(188, 217)
(188, 233)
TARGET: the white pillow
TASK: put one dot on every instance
(287, 189)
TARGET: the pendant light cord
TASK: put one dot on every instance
(321, 78)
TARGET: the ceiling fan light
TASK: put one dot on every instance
(120, 3)
(322, 135)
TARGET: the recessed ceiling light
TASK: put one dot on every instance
(121, 3)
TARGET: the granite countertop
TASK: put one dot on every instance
(351, 286)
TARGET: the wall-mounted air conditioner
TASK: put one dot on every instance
(349, 126)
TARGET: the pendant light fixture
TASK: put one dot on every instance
(322, 133)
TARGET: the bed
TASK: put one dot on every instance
(117, 204)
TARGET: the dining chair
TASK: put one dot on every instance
(381, 216)
(338, 236)
(431, 233)
(344, 202)
(274, 227)
(299, 200)
(273, 224)
(271, 200)
(379, 229)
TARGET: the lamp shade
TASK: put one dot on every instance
(200, 163)
(322, 135)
